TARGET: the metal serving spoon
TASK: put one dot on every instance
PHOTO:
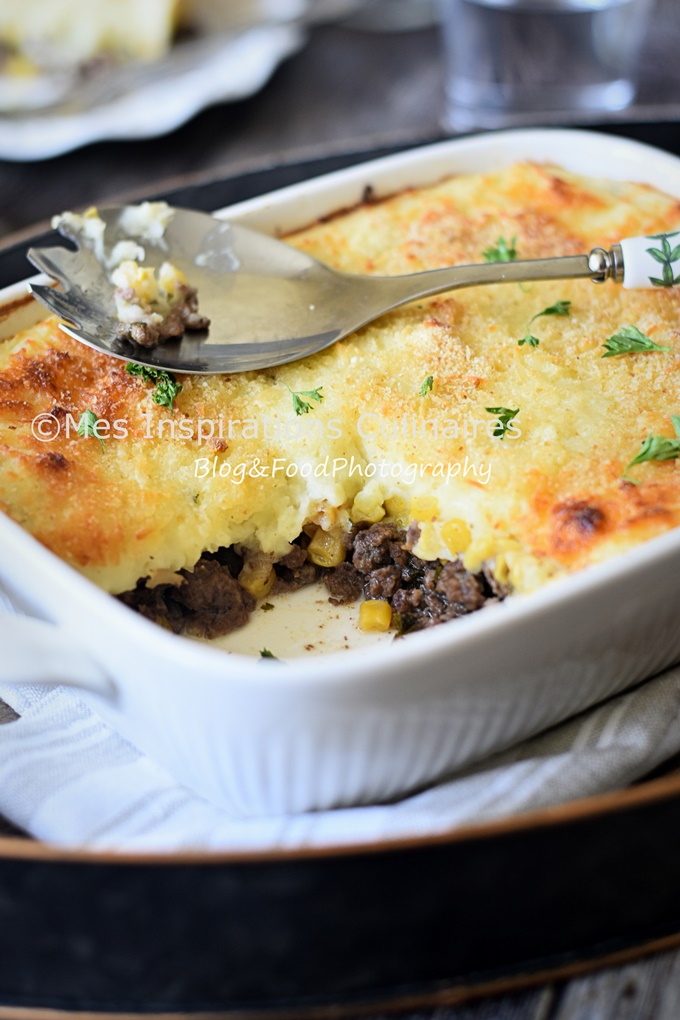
(269, 303)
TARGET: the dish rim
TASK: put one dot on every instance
(496, 618)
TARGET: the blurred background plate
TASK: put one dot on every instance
(62, 87)
(155, 99)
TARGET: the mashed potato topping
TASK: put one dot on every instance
(510, 456)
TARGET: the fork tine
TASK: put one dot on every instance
(55, 301)
(55, 262)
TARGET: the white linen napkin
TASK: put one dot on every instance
(67, 778)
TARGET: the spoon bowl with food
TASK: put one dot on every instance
(183, 291)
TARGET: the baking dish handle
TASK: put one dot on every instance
(35, 652)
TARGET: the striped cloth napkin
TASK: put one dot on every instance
(67, 778)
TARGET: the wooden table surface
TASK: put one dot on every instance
(353, 90)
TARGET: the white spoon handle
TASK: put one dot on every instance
(651, 261)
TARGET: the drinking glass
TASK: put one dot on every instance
(508, 58)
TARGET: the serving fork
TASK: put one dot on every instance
(270, 303)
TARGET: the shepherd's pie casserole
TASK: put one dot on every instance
(453, 451)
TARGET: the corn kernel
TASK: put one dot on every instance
(397, 509)
(501, 568)
(146, 286)
(169, 277)
(19, 66)
(424, 508)
(366, 510)
(375, 614)
(140, 278)
(478, 551)
(327, 548)
(256, 580)
(327, 516)
(429, 543)
(456, 536)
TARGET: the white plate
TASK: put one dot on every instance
(373, 722)
(229, 70)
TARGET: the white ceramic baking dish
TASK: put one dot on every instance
(376, 721)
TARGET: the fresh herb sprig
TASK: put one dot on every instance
(166, 387)
(502, 252)
(301, 406)
(559, 308)
(266, 654)
(87, 426)
(504, 416)
(427, 385)
(657, 448)
(629, 340)
(403, 623)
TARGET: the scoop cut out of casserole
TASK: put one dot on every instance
(429, 463)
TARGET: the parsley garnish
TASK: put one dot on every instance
(657, 448)
(266, 654)
(629, 340)
(301, 406)
(503, 252)
(559, 308)
(166, 390)
(87, 426)
(267, 608)
(504, 416)
(166, 385)
(427, 386)
(403, 623)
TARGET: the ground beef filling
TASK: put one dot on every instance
(295, 571)
(182, 316)
(381, 565)
(209, 601)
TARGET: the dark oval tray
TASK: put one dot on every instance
(333, 932)
(329, 933)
